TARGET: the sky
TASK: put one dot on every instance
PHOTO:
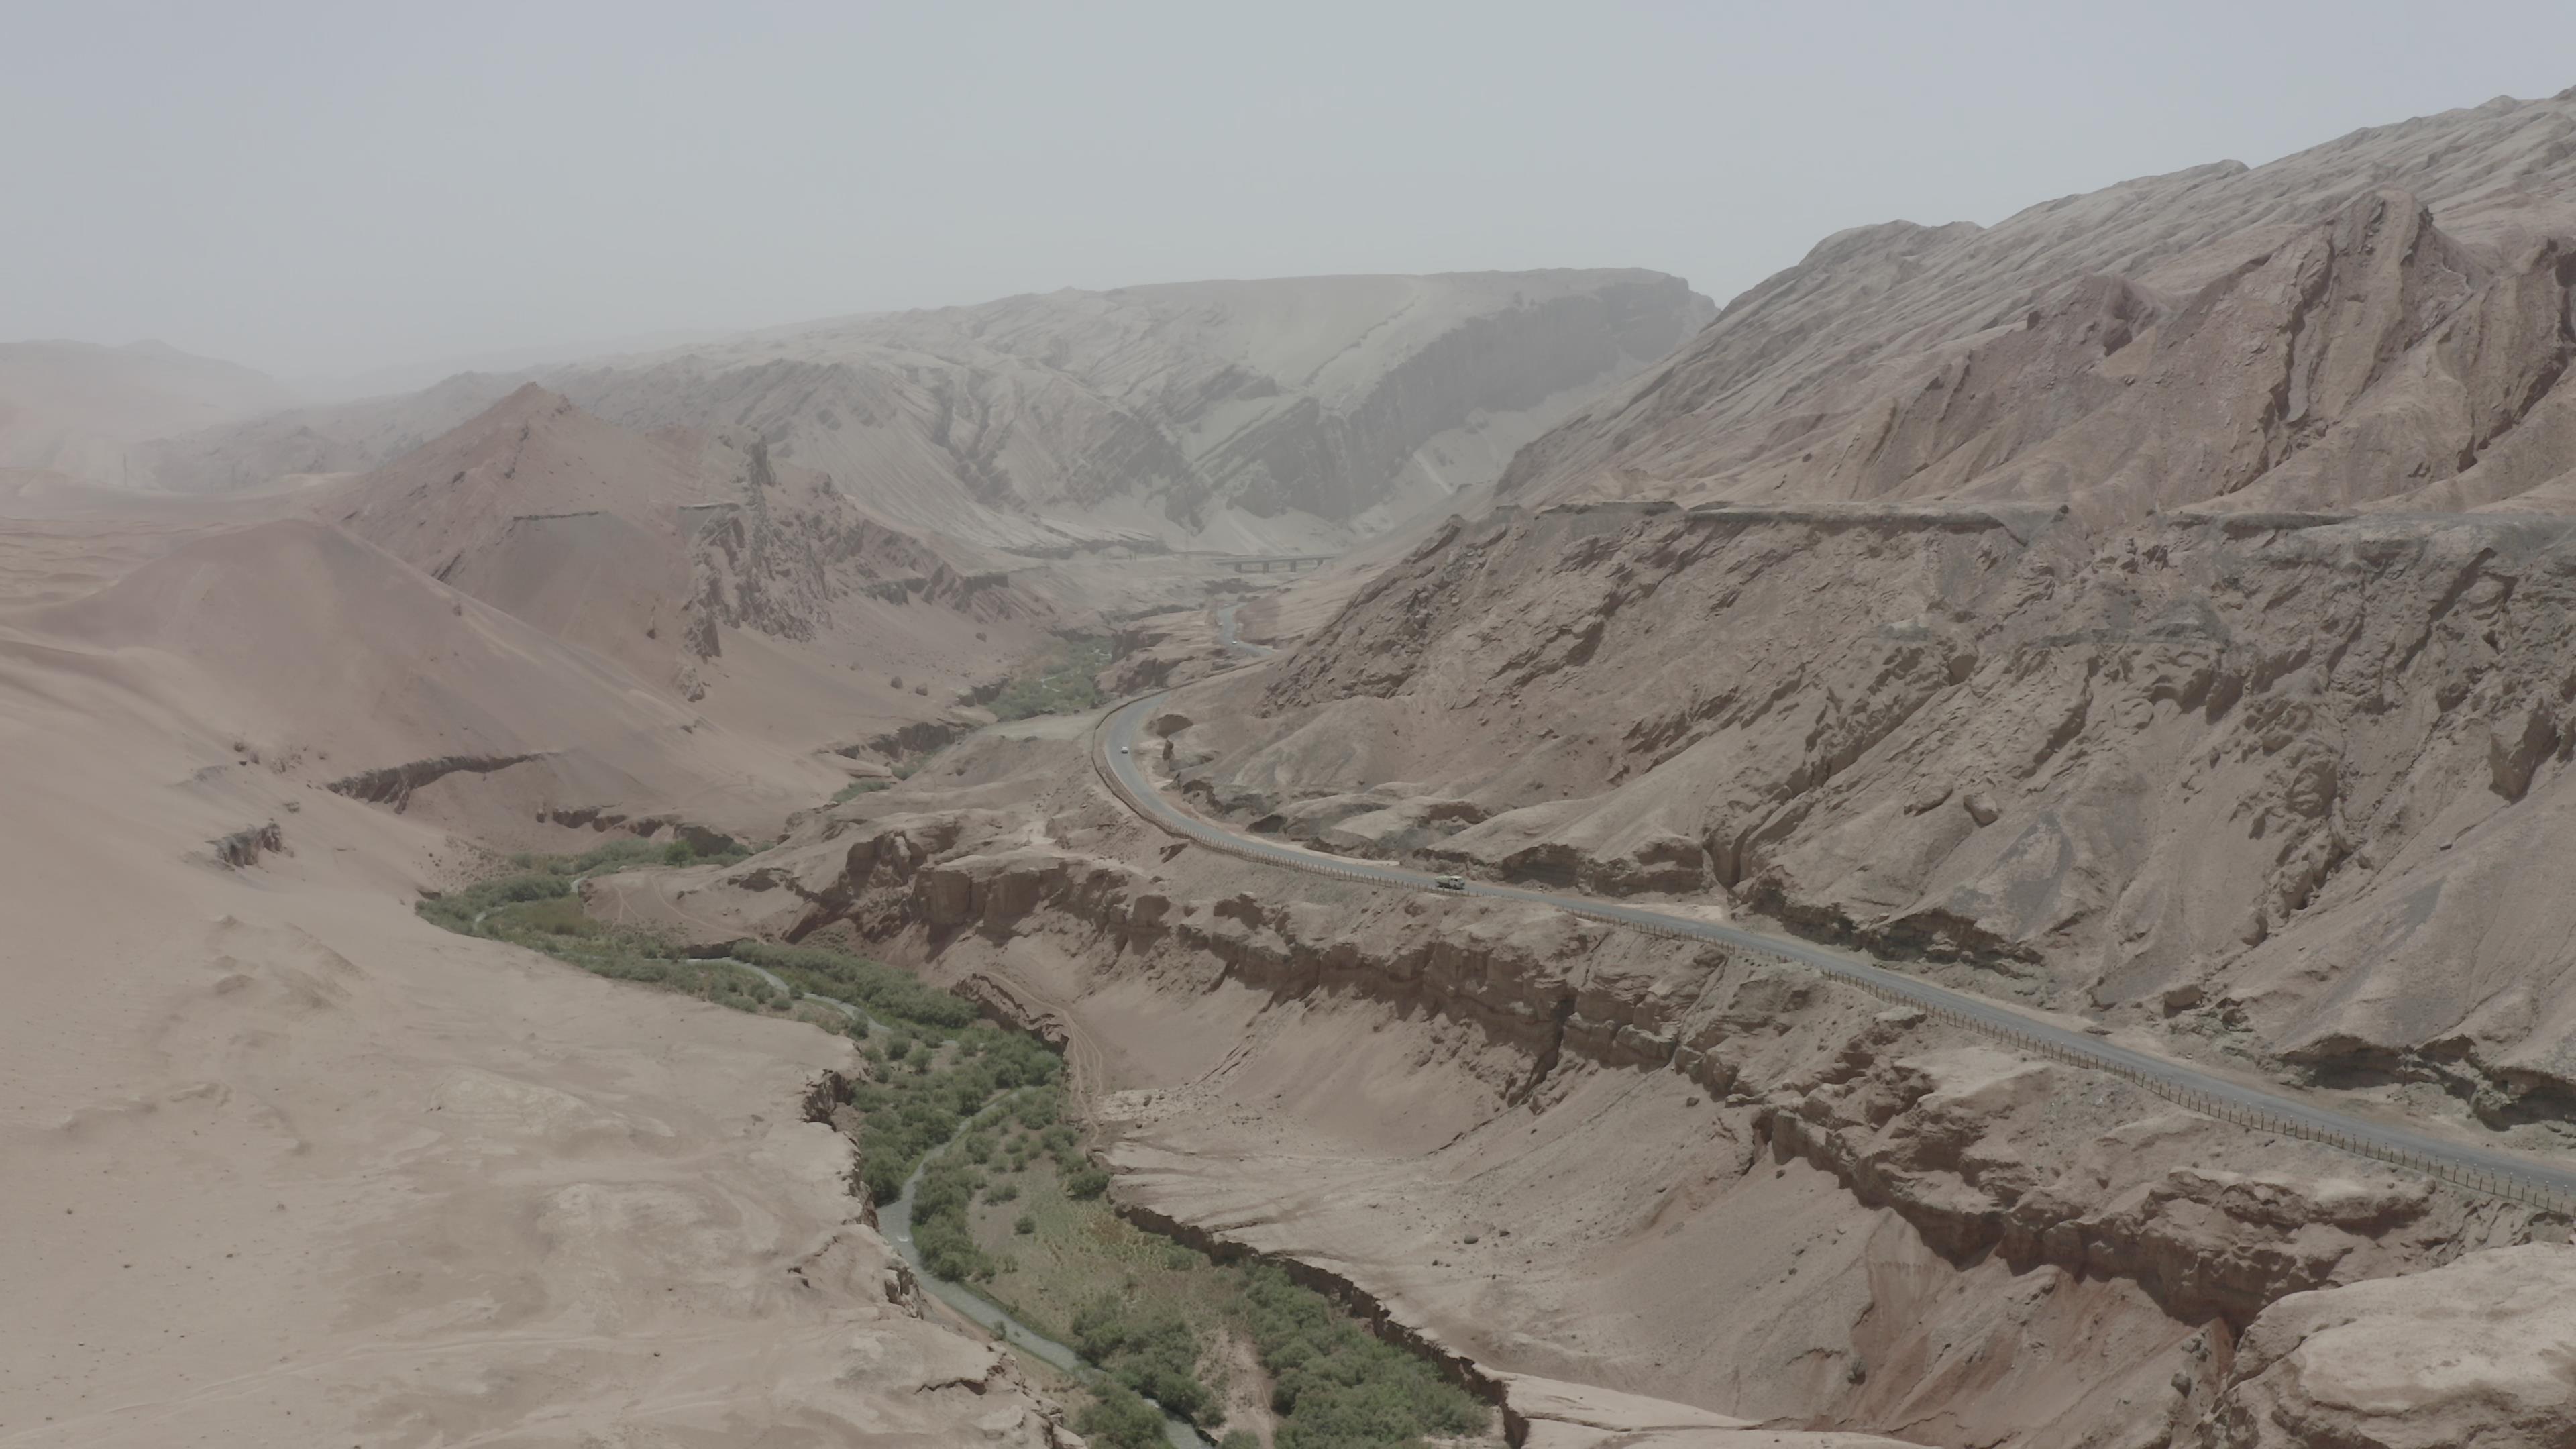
(322, 191)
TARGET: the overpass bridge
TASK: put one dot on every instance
(1262, 563)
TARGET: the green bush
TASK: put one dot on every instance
(882, 989)
(1156, 1356)
(939, 1229)
(1334, 1386)
(1066, 681)
(1120, 1420)
(1025, 1224)
(1085, 1182)
(906, 1116)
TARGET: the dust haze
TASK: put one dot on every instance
(1660, 728)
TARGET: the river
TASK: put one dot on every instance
(894, 1222)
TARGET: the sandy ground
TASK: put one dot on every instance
(286, 1165)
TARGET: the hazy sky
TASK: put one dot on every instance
(325, 188)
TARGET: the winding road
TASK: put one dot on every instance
(2539, 1183)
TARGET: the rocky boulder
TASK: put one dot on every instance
(2480, 1354)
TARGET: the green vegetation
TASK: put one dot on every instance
(908, 1113)
(883, 990)
(1157, 1315)
(1064, 681)
(1333, 1385)
(1013, 1202)
(939, 1222)
(681, 852)
(857, 788)
(1154, 1353)
(536, 906)
(1118, 1418)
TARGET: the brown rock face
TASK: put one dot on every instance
(2480, 1354)
(645, 546)
(2382, 319)
(1551, 1146)
(2278, 772)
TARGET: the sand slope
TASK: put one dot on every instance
(79, 409)
(333, 661)
(284, 1165)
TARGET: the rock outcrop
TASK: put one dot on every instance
(2479, 1354)
(1992, 1162)
(2264, 773)
(2382, 319)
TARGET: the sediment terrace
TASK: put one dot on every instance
(1632, 1131)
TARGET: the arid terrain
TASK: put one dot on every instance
(294, 1164)
(2146, 614)
(1246, 417)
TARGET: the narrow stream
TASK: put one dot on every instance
(894, 1223)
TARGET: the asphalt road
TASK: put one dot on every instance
(1235, 644)
(2463, 1163)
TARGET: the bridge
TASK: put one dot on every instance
(1261, 563)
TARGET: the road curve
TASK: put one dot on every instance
(2527, 1180)
(1234, 643)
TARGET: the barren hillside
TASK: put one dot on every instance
(2146, 617)
(288, 1165)
(2379, 321)
(80, 410)
(1242, 416)
(2132, 734)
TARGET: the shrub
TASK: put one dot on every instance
(1156, 1356)
(880, 988)
(1334, 1385)
(1120, 1420)
(1066, 681)
(1025, 1224)
(939, 1229)
(1085, 1182)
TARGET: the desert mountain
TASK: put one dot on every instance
(2142, 599)
(649, 547)
(76, 409)
(410, 1186)
(1246, 416)
(2379, 321)
(330, 661)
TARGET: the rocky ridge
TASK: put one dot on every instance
(1242, 416)
(2379, 321)
(1984, 1156)
(2279, 778)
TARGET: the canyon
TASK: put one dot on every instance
(2145, 614)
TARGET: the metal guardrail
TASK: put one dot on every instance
(2509, 1186)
